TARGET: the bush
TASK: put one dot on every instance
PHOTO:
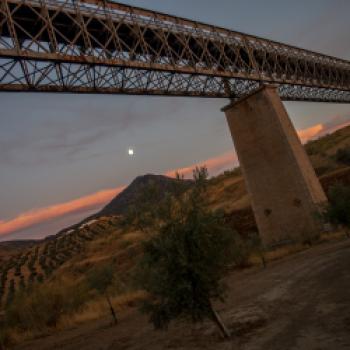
(101, 279)
(11, 292)
(343, 155)
(44, 305)
(5, 338)
(184, 262)
(338, 209)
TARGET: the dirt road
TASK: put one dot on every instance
(300, 302)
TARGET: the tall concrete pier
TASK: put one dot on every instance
(283, 186)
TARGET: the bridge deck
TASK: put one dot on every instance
(105, 47)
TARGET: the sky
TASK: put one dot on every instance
(64, 156)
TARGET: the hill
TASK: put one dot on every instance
(120, 204)
(330, 152)
(69, 256)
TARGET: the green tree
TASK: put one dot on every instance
(101, 279)
(338, 209)
(11, 293)
(343, 155)
(185, 260)
(5, 339)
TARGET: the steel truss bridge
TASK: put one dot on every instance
(99, 46)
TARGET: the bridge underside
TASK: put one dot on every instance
(99, 46)
(49, 76)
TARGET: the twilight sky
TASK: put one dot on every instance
(64, 156)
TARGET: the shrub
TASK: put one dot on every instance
(44, 305)
(11, 293)
(40, 278)
(183, 264)
(101, 279)
(22, 284)
(245, 247)
(5, 338)
(338, 209)
(343, 155)
(18, 269)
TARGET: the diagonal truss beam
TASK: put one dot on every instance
(98, 46)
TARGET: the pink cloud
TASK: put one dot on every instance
(318, 130)
(310, 133)
(38, 216)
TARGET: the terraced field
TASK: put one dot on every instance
(38, 263)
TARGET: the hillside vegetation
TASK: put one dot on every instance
(104, 240)
(331, 152)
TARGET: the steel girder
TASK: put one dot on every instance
(96, 46)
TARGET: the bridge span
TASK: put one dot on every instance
(101, 46)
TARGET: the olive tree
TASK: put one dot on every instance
(100, 279)
(186, 259)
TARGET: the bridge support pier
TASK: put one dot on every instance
(283, 186)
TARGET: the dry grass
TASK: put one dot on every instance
(98, 308)
(12, 336)
(134, 237)
(287, 250)
(229, 194)
(333, 236)
(93, 310)
(284, 251)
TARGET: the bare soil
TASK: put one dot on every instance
(300, 302)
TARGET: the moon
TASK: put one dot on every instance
(130, 152)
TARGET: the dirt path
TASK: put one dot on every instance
(301, 302)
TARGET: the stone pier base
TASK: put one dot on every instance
(283, 186)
